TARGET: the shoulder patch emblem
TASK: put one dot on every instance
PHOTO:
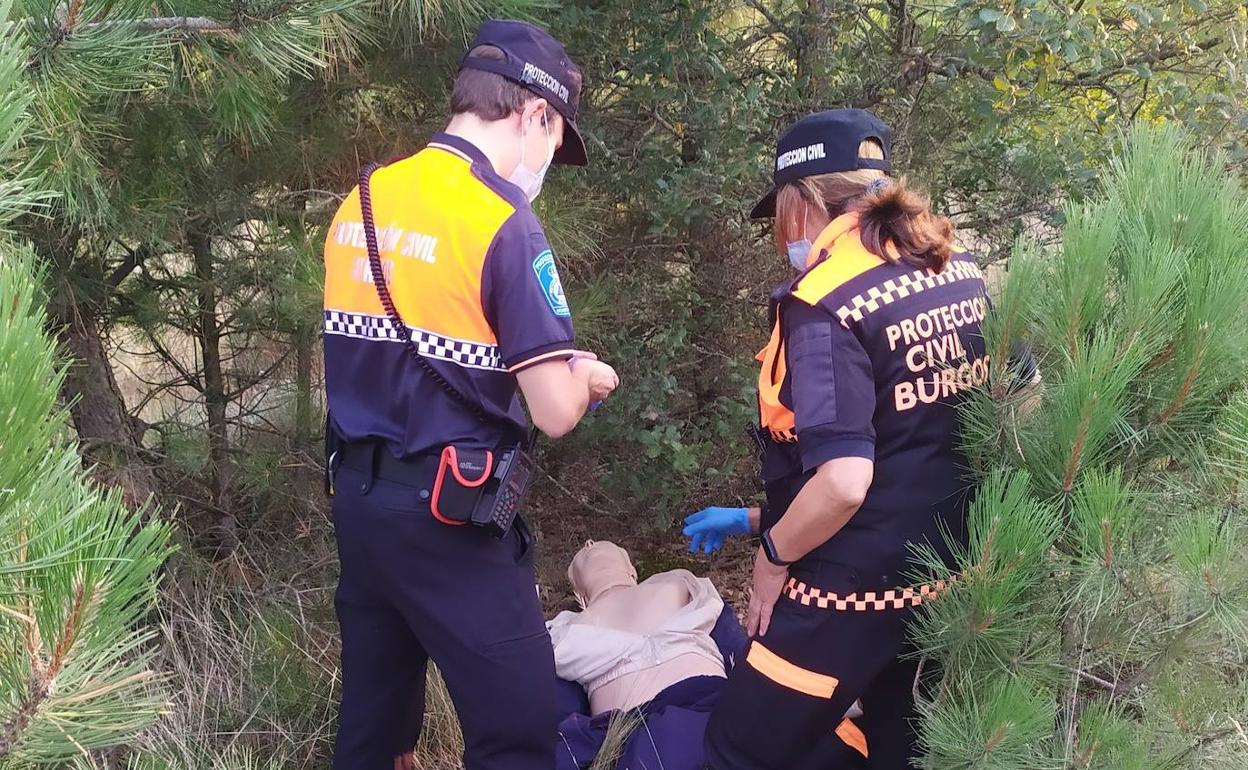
(548, 276)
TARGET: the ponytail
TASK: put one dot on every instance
(896, 222)
(897, 216)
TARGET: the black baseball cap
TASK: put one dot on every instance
(535, 60)
(824, 143)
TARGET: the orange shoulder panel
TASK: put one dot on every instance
(846, 259)
(772, 414)
(435, 222)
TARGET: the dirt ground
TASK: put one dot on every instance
(562, 527)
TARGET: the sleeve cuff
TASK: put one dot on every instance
(817, 449)
(1023, 370)
(562, 350)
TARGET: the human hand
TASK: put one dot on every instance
(599, 377)
(769, 580)
(709, 527)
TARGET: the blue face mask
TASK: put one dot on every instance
(799, 253)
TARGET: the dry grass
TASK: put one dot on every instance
(622, 725)
(253, 677)
(441, 744)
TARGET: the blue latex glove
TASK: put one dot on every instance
(709, 527)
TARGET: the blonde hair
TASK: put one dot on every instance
(894, 215)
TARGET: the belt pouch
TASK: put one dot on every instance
(457, 489)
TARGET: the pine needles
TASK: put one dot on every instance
(77, 571)
(1100, 598)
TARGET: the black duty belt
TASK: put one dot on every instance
(376, 461)
(464, 485)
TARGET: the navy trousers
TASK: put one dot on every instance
(412, 590)
(783, 704)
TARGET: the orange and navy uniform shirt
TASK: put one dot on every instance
(870, 358)
(474, 279)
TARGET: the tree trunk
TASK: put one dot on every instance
(305, 339)
(105, 429)
(708, 276)
(220, 465)
(816, 38)
(108, 436)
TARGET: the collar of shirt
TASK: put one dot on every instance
(460, 146)
(835, 229)
(590, 652)
(823, 244)
(481, 166)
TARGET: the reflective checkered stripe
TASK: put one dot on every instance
(894, 289)
(892, 599)
(785, 436)
(472, 355)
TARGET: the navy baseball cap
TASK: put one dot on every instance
(824, 143)
(535, 60)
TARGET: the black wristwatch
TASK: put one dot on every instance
(769, 550)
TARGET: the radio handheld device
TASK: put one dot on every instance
(506, 491)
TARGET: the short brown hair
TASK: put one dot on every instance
(896, 214)
(488, 95)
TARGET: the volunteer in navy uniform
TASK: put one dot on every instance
(472, 277)
(873, 344)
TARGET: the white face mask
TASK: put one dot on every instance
(799, 251)
(527, 179)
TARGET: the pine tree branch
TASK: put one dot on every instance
(1076, 452)
(1186, 388)
(11, 731)
(72, 626)
(1160, 56)
(134, 258)
(773, 20)
(917, 66)
(72, 12)
(163, 353)
(1093, 678)
(188, 24)
(255, 379)
(1008, 215)
(157, 389)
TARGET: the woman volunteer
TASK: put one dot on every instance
(873, 344)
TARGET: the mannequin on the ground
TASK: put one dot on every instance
(631, 641)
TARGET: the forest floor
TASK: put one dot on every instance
(562, 527)
(571, 504)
